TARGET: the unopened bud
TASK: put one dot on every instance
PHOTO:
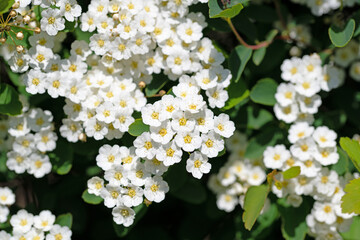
(147, 202)
(19, 36)
(162, 93)
(142, 84)
(82, 137)
(33, 15)
(37, 30)
(26, 19)
(19, 48)
(2, 40)
(13, 13)
(16, 5)
(115, 17)
(32, 24)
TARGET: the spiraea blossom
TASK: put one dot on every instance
(321, 7)
(28, 138)
(312, 149)
(25, 225)
(230, 184)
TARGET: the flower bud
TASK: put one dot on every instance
(142, 84)
(2, 40)
(162, 93)
(26, 19)
(13, 13)
(115, 17)
(19, 48)
(82, 137)
(19, 35)
(37, 30)
(16, 5)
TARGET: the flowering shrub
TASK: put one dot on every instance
(233, 116)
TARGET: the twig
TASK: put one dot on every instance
(281, 17)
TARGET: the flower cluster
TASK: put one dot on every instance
(230, 184)
(297, 100)
(349, 56)
(27, 226)
(54, 13)
(7, 198)
(321, 7)
(27, 138)
(312, 149)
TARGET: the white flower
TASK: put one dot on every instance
(59, 232)
(111, 195)
(52, 21)
(7, 197)
(217, 96)
(290, 69)
(324, 212)
(212, 144)
(117, 175)
(156, 167)
(326, 156)
(138, 175)
(309, 167)
(71, 130)
(326, 182)
(44, 220)
(4, 213)
(182, 121)
(226, 202)
(35, 81)
(299, 131)
(223, 125)
(108, 156)
(123, 215)
(204, 120)
(169, 154)
(256, 176)
(303, 149)
(188, 141)
(145, 146)
(96, 129)
(39, 165)
(22, 221)
(325, 137)
(274, 157)
(17, 162)
(163, 133)
(95, 185)
(155, 189)
(152, 114)
(198, 165)
(39, 120)
(132, 196)
(45, 141)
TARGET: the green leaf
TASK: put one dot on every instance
(238, 92)
(65, 220)
(354, 231)
(259, 55)
(5, 5)
(342, 166)
(192, 192)
(122, 231)
(138, 127)
(256, 118)
(156, 84)
(91, 198)
(350, 202)
(217, 11)
(293, 224)
(69, 26)
(80, 35)
(254, 201)
(352, 148)
(291, 172)
(264, 92)
(341, 36)
(9, 100)
(62, 157)
(270, 36)
(238, 60)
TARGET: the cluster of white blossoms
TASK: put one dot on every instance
(177, 124)
(230, 184)
(297, 100)
(54, 13)
(27, 226)
(7, 198)
(312, 149)
(27, 138)
(349, 56)
(321, 7)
